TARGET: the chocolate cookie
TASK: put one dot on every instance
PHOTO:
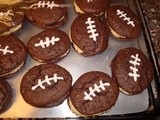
(49, 46)
(47, 13)
(89, 35)
(93, 94)
(132, 70)
(5, 95)
(13, 55)
(97, 7)
(10, 20)
(46, 85)
(123, 22)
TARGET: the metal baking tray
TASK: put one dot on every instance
(138, 106)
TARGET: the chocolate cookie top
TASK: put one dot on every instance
(93, 93)
(96, 7)
(119, 17)
(5, 95)
(47, 13)
(13, 54)
(49, 46)
(10, 20)
(46, 85)
(89, 35)
(132, 70)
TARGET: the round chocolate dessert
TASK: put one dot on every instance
(132, 70)
(10, 20)
(46, 85)
(49, 46)
(89, 35)
(5, 95)
(13, 55)
(47, 13)
(93, 94)
(123, 22)
(96, 7)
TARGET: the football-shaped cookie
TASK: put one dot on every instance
(132, 70)
(47, 13)
(123, 22)
(93, 93)
(89, 35)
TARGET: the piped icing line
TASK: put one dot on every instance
(6, 17)
(135, 63)
(97, 88)
(6, 14)
(6, 50)
(89, 0)
(47, 42)
(47, 80)
(123, 15)
(91, 29)
(48, 4)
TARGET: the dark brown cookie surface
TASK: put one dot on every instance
(47, 13)
(132, 70)
(46, 85)
(49, 46)
(93, 93)
(96, 7)
(13, 55)
(123, 22)
(89, 35)
(5, 95)
(10, 19)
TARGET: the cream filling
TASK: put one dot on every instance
(74, 110)
(123, 91)
(51, 61)
(9, 2)
(74, 45)
(14, 71)
(77, 8)
(12, 30)
(115, 33)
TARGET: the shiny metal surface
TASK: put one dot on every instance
(76, 64)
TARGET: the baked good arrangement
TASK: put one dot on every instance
(71, 66)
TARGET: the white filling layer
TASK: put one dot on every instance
(73, 109)
(74, 45)
(51, 61)
(123, 91)
(115, 33)
(14, 71)
(77, 8)
(12, 30)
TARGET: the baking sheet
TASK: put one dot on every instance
(76, 64)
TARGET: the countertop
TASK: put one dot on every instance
(151, 10)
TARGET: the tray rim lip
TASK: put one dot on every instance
(152, 102)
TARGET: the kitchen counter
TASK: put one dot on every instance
(151, 10)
